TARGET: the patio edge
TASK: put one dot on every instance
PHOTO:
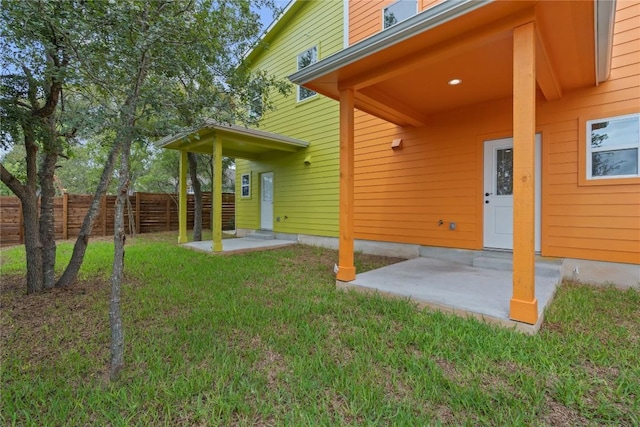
(422, 304)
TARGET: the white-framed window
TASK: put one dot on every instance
(256, 106)
(398, 12)
(306, 58)
(245, 185)
(613, 147)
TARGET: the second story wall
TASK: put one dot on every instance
(305, 194)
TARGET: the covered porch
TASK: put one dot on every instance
(220, 140)
(459, 54)
(239, 245)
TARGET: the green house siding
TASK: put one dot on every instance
(305, 195)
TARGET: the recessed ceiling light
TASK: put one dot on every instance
(454, 82)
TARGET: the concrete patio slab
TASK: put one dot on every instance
(240, 245)
(453, 287)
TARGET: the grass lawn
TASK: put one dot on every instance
(265, 339)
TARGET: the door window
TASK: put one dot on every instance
(504, 172)
(267, 188)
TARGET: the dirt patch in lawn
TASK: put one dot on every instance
(556, 414)
(56, 321)
(325, 259)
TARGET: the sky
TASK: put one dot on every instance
(266, 15)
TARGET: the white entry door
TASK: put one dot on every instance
(266, 201)
(498, 193)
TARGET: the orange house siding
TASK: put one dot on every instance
(597, 220)
(401, 195)
(437, 174)
(365, 16)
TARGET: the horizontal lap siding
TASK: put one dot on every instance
(437, 174)
(306, 194)
(600, 222)
(401, 195)
(365, 16)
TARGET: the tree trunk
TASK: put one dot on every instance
(32, 243)
(119, 236)
(124, 137)
(29, 198)
(80, 247)
(197, 195)
(33, 247)
(128, 117)
(47, 219)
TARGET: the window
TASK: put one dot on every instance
(613, 147)
(256, 107)
(306, 58)
(245, 185)
(398, 12)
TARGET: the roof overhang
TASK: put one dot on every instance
(401, 74)
(237, 141)
(283, 18)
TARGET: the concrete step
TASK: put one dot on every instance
(262, 235)
(547, 268)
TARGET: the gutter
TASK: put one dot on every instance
(604, 20)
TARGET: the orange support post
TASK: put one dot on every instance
(346, 268)
(524, 305)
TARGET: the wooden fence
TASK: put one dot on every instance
(150, 212)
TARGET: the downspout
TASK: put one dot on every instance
(605, 14)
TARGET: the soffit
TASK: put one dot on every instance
(406, 81)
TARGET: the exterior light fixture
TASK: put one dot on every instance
(396, 144)
(454, 82)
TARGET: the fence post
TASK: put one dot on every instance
(20, 222)
(65, 216)
(168, 206)
(104, 215)
(137, 225)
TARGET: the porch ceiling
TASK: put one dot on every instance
(402, 74)
(237, 141)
